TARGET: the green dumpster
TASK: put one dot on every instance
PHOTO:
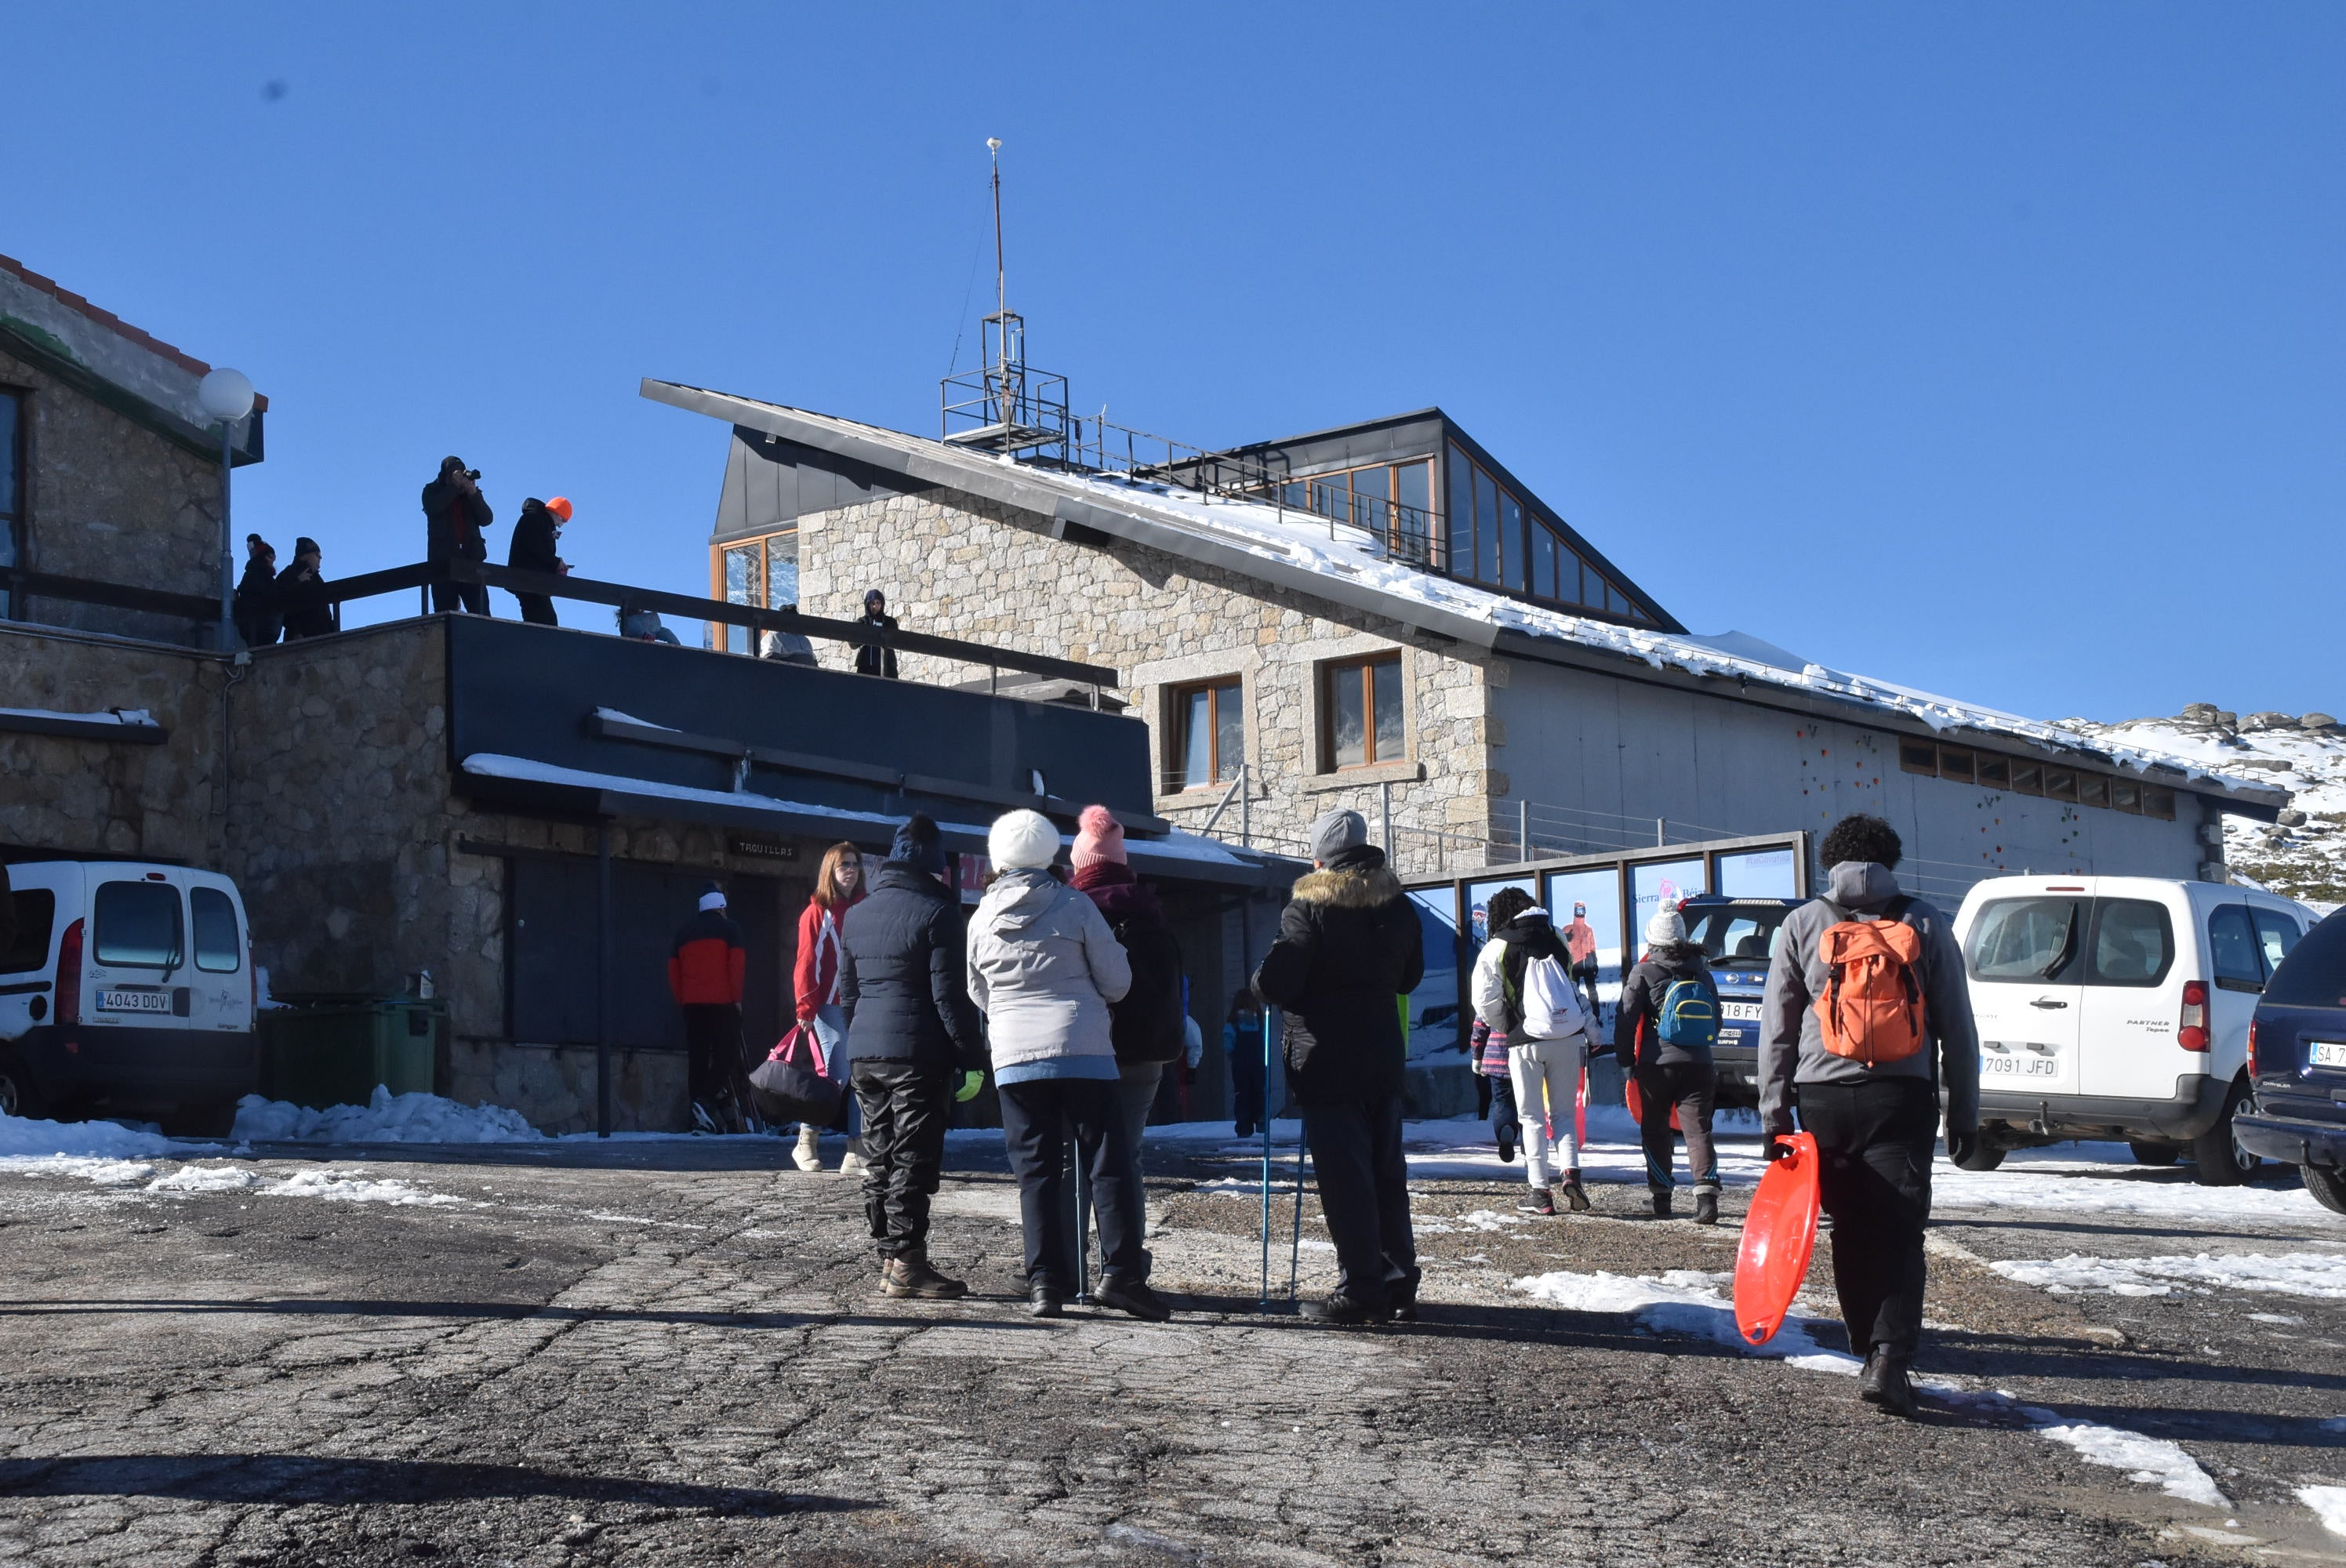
(332, 1050)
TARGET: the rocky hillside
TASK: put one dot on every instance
(2302, 855)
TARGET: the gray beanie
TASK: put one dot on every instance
(1665, 928)
(1337, 831)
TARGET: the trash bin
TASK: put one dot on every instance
(332, 1050)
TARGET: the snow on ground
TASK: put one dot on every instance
(385, 1118)
(205, 1178)
(21, 1136)
(2328, 1505)
(2153, 1461)
(346, 1187)
(2319, 1274)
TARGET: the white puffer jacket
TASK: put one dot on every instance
(1043, 967)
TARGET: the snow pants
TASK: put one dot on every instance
(907, 1109)
(713, 1056)
(1547, 1072)
(1874, 1144)
(1691, 1089)
(1039, 1118)
(1246, 1087)
(1363, 1179)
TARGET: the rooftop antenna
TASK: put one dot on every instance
(1004, 407)
(1009, 391)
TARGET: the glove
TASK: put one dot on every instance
(1778, 1147)
(1962, 1146)
(971, 1083)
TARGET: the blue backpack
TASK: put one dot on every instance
(1688, 1015)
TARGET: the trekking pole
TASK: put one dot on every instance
(1263, 1300)
(1295, 1242)
(1083, 1224)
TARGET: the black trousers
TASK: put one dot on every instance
(472, 597)
(1875, 1140)
(536, 609)
(1356, 1156)
(712, 1052)
(907, 1109)
(1691, 1089)
(1038, 1117)
(1246, 1087)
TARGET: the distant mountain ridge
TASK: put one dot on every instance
(2304, 854)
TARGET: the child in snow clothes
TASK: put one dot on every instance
(1242, 1038)
(814, 977)
(1671, 1076)
(1547, 1065)
(911, 1034)
(1045, 969)
(1489, 1052)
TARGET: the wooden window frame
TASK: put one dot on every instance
(1328, 673)
(2094, 789)
(2159, 801)
(1918, 757)
(1176, 732)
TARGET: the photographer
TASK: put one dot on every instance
(454, 513)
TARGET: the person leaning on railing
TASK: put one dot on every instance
(301, 595)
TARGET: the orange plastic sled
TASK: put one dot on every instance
(1780, 1236)
(1636, 1104)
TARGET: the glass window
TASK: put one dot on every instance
(2093, 789)
(1510, 541)
(1208, 735)
(138, 924)
(1436, 1022)
(1761, 874)
(2232, 943)
(1994, 773)
(1918, 757)
(36, 915)
(2060, 784)
(1373, 484)
(782, 571)
(2159, 803)
(2133, 943)
(1361, 712)
(2277, 935)
(2027, 779)
(1478, 904)
(2024, 940)
(1461, 513)
(220, 948)
(2315, 974)
(1739, 938)
(1956, 764)
(1486, 527)
(1332, 497)
(1543, 550)
(1591, 900)
(1659, 883)
(2126, 795)
(744, 578)
(1413, 485)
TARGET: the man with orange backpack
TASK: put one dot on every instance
(1867, 1023)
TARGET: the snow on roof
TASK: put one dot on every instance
(1315, 544)
(129, 715)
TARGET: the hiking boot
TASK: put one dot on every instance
(908, 1275)
(808, 1156)
(1133, 1296)
(1402, 1293)
(1540, 1202)
(1044, 1300)
(1507, 1145)
(852, 1164)
(1344, 1310)
(1661, 1206)
(1576, 1194)
(704, 1120)
(1884, 1383)
(1706, 1209)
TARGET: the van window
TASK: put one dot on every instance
(218, 951)
(2233, 943)
(2024, 940)
(138, 924)
(2315, 974)
(2276, 934)
(2133, 943)
(36, 916)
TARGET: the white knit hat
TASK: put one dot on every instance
(1665, 927)
(1022, 840)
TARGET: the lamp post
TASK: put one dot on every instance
(226, 396)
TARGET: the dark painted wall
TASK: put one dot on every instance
(770, 483)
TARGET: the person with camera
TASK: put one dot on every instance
(454, 516)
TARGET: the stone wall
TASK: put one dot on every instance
(102, 796)
(960, 565)
(110, 499)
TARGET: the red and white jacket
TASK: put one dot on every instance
(814, 975)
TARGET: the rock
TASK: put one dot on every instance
(2228, 720)
(2202, 712)
(2268, 720)
(2319, 721)
(2290, 818)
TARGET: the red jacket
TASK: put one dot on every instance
(814, 974)
(708, 961)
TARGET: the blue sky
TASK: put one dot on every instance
(1991, 349)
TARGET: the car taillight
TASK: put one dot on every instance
(2252, 1050)
(2193, 1034)
(69, 976)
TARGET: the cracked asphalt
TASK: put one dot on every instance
(677, 1353)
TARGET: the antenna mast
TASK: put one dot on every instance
(1012, 410)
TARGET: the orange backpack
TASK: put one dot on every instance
(1871, 1010)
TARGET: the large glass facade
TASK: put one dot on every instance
(1659, 884)
(1497, 538)
(1586, 907)
(759, 572)
(1392, 501)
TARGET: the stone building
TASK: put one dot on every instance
(109, 470)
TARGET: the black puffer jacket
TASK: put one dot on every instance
(1349, 947)
(902, 953)
(533, 548)
(1636, 1037)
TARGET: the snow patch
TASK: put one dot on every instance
(2152, 1461)
(205, 1178)
(20, 1135)
(138, 718)
(2312, 1274)
(613, 716)
(345, 1187)
(385, 1118)
(104, 1172)
(2328, 1505)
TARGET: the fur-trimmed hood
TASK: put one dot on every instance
(1350, 888)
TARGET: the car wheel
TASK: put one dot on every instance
(1985, 1157)
(2328, 1188)
(18, 1097)
(2216, 1156)
(2151, 1153)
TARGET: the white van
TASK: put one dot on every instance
(128, 991)
(2119, 1007)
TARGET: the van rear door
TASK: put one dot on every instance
(2025, 953)
(220, 981)
(136, 953)
(2133, 980)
